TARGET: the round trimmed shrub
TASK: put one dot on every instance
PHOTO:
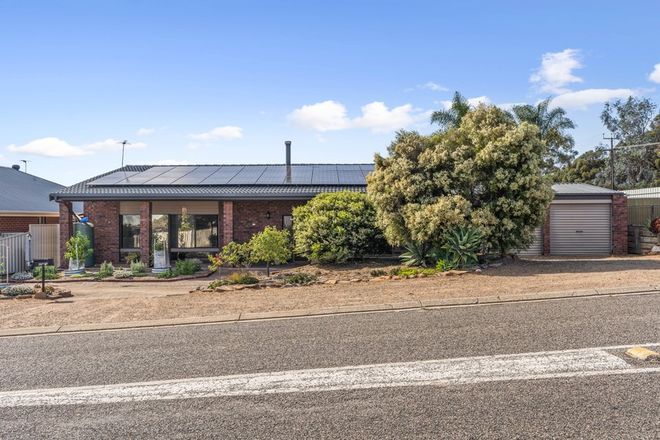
(336, 227)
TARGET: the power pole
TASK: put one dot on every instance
(611, 139)
(123, 148)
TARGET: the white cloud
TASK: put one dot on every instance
(472, 101)
(655, 75)
(332, 115)
(322, 116)
(49, 147)
(379, 119)
(171, 162)
(556, 71)
(581, 99)
(145, 131)
(112, 145)
(56, 147)
(219, 133)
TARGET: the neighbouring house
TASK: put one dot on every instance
(643, 207)
(24, 200)
(196, 209)
(583, 220)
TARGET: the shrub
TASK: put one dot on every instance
(169, 273)
(378, 273)
(20, 289)
(138, 267)
(106, 270)
(270, 246)
(78, 247)
(418, 255)
(21, 276)
(413, 272)
(50, 272)
(216, 262)
(122, 274)
(236, 254)
(242, 278)
(48, 289)
(654, 225)
(187, 267)
(131, 258)
(336, 227)
(299, 278)
(461, 245)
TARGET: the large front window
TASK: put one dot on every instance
(195, 231)
(130, 231)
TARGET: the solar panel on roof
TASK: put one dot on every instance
(348, 167)
(325, 175)
(301, 174)
(196, 176)
(171, 176)
(248, 175)
(223, 175)
(273, 175)
(144, 176)
(351, 177)
(113, 178)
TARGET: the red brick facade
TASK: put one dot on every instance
(619, 225)
(253, 216)
(104, 215)
(145, 231)
(22, 224)
(66, 229)
(226, 224)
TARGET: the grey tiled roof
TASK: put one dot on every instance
(146, 182)
(21, 192)
(581, 189)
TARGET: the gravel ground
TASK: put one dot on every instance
(120, 302)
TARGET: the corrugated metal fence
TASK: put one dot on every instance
(46, 242)
(14, 252)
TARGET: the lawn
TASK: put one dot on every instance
(120, 302)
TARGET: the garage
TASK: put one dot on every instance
(580, 228)
(583, 220)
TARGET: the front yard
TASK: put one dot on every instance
(99, 302)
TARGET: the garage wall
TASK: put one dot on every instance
(580, 228)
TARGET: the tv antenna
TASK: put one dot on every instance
(123, 149)
(25, 162)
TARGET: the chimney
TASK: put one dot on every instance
(16, 167)
(288, 161)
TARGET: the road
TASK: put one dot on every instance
(551, 369)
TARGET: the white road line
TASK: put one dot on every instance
(527, 366)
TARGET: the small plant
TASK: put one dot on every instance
(378, 273)
(461, 245)
(417, 254)
(236, 254)
(299, 278)
(270, 246)
(138, 267)
(413, 272)
(48, 289)
(131, 258)
(106, 270)
(169, 273)
(78, 248)
(216, 262)
(242, 278)
(21, 276)
(122, 274)
(49, 271)
(187, 267)
(20, 289)
(654, 225)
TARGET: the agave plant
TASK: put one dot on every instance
(461, 245)
(417, 254)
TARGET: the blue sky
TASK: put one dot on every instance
(228, 82)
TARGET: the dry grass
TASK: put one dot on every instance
(120, 302)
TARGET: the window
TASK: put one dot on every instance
(160, 224)
(130, 231)
(195, 231)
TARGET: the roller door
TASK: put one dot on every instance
(580, 229)
(536, 248)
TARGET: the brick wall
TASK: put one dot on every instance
(546, 233)
(145, 232)
(619, 224)
(251, 216)
(22, 224)
(104, 215)
(66, 229)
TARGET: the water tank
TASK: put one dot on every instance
(87, 230)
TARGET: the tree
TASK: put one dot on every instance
(451, 118)
(270, 246)
(633, 121)
(336, 227)
(590, 167)
(78, 248)
(553, 125)
(485, 173)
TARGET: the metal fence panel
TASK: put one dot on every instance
(14, 253)
(46, 242)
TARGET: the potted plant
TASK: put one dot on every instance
(78, 248)
(160, 255)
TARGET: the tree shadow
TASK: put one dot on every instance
(555, 265)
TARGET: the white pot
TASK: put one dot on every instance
(160, 261)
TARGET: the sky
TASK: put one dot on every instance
(228, 82)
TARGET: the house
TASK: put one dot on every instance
(643, 205)
(24, 200)
(196, 209)
(583, 220)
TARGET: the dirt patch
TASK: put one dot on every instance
(120, 302)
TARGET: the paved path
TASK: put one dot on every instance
(538, 369)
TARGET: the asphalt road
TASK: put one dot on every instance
(606, 406)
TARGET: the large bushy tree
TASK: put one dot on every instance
(486, 172)
(336, 227)
(553, 124)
